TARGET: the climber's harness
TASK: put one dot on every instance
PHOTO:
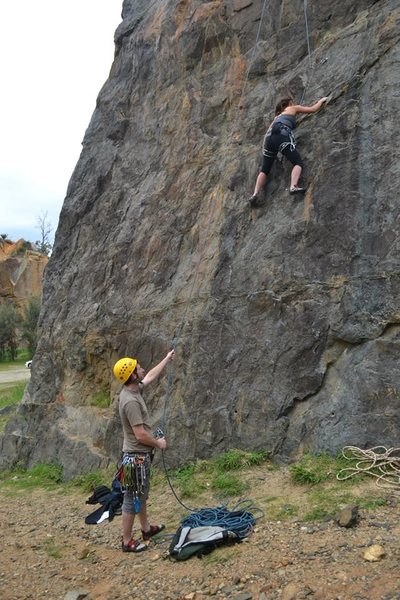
(285, 130)
(279, 129)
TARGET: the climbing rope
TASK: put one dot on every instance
(309, 68)
(179, 330)
(246, 77)
(180, 327)
(239, 518)
(380, 462)
(193, 510)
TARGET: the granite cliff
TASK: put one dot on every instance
(286, 318)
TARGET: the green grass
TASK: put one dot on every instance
(235, 459)
(319, 497)
(11, 393)
(227, 484)
(325, 500)
(88, 482)
(8, 364)
(371, 502)
(100, 400)
(195, 478)
(221, 556)
(313, 469)
(47, 476)
(51, 548)
(287, 511)
(318, 513)
(188, 483)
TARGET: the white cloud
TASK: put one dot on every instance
(55, 57)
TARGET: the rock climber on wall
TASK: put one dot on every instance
(280, 138)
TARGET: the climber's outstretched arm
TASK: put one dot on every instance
(298, 108)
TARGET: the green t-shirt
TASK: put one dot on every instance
(133, 411)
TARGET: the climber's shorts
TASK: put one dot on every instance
(272, 147)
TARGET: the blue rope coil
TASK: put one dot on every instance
(239, 519)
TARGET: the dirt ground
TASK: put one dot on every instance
(49, 552)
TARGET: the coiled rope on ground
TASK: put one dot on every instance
(240, 518)
(380, 462)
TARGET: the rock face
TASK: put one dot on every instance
(21, 273)
(286, 317)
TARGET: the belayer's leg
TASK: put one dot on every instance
(144, 522)
(127, 525)
(128, 517)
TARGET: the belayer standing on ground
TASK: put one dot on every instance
(280, 138)
(138, 446)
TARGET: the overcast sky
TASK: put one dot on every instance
(55, 56)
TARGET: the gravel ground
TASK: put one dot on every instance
(49, 552)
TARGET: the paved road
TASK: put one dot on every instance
(14, 374)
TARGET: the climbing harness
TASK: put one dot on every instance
(280, 126)
(283, 130)
(291, 142)
(380, 462)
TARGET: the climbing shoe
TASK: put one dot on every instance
(297, 190)
(133, 546)
(253, 200)
(154, 529)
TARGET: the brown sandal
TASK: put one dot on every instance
(154, 529)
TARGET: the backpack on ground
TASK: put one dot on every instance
(204, 530)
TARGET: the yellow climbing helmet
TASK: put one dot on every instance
(124, 368)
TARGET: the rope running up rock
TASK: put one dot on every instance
(380, 462)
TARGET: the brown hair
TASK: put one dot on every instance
(282, 104)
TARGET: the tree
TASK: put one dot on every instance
(44, 245)
(29, 323)
(9, 321)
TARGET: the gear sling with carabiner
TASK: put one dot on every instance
(133, 474)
